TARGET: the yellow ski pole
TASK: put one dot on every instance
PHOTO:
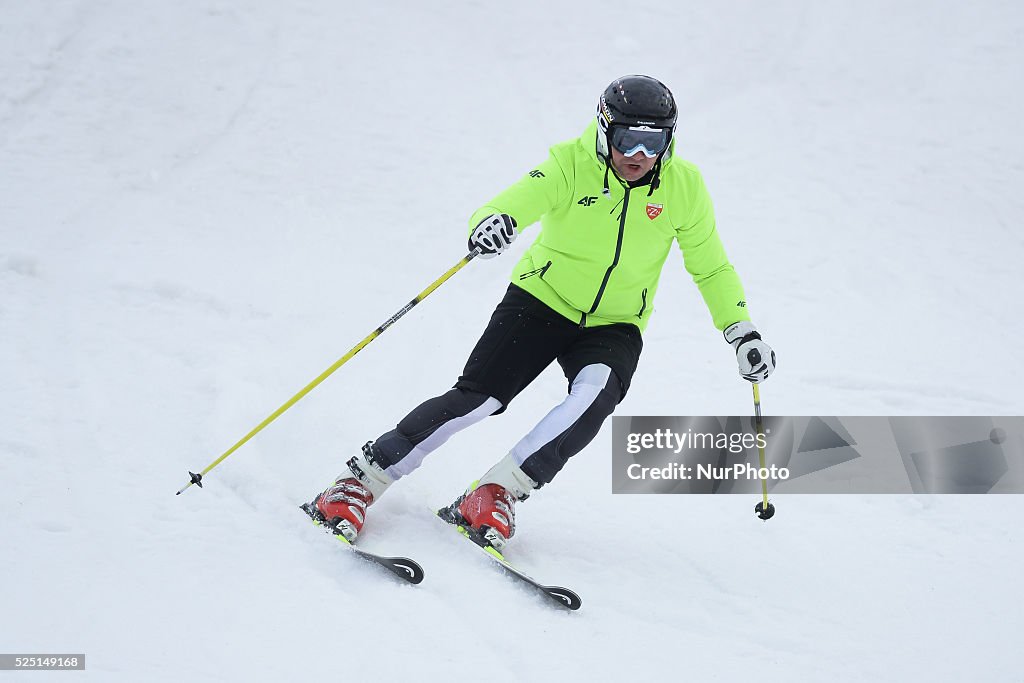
(197, 477)
(764, 509)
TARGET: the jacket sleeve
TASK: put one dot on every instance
(706, 261)
(536, 193)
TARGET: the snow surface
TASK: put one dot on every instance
(203, 204)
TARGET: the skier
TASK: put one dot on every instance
(610, 203)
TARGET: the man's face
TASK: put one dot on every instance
(633, 167)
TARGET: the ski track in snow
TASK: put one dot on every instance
(203, 206)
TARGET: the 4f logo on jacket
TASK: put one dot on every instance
(654, 210)
(587, 201)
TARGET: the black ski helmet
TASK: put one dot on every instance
(634, 101)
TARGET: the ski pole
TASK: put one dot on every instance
(197, 477)
(764, 509)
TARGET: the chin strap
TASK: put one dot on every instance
(656, 180)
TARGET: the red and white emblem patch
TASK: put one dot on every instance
(653, 210)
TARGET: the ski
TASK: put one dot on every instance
(402, 567)
(564, 597)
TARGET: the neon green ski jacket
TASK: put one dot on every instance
(598, 256)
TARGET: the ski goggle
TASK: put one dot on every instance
(633, 139)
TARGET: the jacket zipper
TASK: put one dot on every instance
(538, 271)
(615, 261)
(643, 297)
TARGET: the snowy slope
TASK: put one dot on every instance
(204, 204)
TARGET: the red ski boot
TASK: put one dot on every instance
(490, 510)
(487, 507)
(343, 505)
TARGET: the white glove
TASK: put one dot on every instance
(493, 235)
(756, 359)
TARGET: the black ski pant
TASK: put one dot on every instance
(523, 337)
